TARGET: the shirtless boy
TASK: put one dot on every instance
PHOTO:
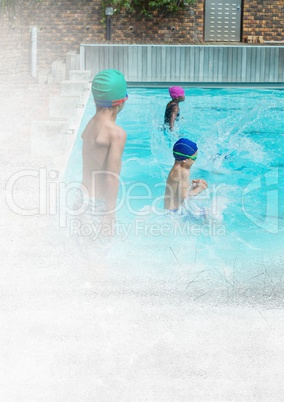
(179, 187)
(103, 145)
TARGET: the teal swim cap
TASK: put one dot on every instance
(109, 88)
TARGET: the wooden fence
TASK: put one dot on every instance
(188, 64)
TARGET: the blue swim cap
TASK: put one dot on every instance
(184, 148)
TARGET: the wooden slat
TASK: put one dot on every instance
(182, 64)
(188, 63)
(274, 57)
(267, 65)
(280, 77)
(191, 76)
(258, 63)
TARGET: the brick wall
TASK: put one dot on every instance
(184, 28)
(264, 18)
(11, 45)
(63, 25)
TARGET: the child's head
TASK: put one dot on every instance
(109, 88)
(184, 149)
(176, 92)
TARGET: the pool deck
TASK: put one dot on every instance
(73, 331)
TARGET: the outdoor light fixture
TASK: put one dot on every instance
(108, 13)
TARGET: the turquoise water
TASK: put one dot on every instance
(240, 136)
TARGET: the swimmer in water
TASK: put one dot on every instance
(172, 111)
(178, 187)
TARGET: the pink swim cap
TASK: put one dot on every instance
(176, 92)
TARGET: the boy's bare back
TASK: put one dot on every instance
(103, 144)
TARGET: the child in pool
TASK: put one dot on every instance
(178, 187)
(172, 109)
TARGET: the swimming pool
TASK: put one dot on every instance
(240, 135)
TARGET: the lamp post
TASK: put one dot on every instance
(108, 13)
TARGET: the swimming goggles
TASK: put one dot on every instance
(192, 157)
(109, 103)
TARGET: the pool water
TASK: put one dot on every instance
(240, 136)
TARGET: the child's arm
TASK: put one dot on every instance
(173, 116)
